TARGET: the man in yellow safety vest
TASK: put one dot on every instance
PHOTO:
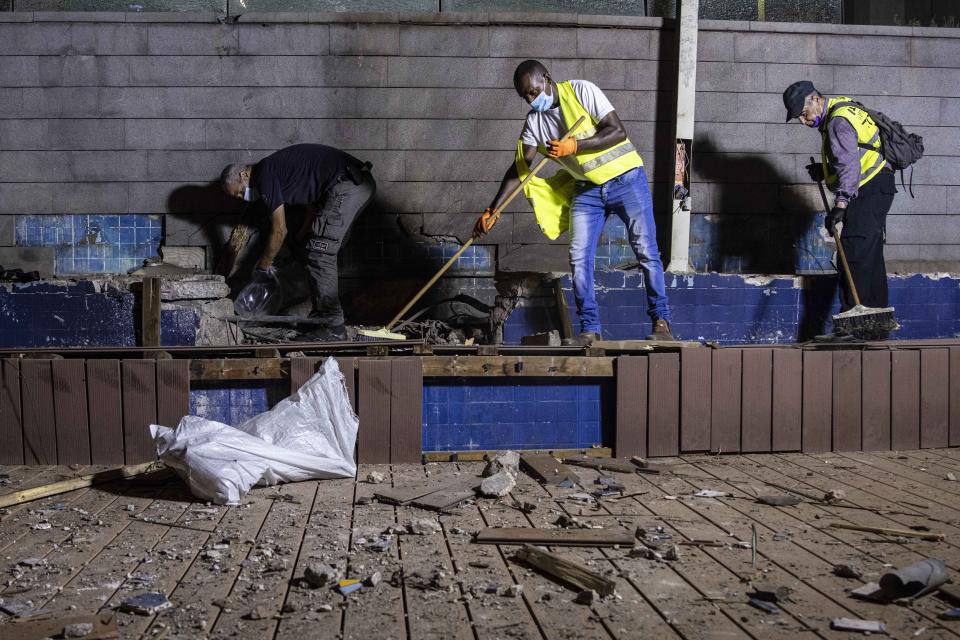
(603, 176)
(853, 167)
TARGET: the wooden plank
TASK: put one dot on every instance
(139, 409)
(70, 410)
(631, 420)
(817, 401)
(373, 394)
(106, 411)
(348, 367)
(954, 429)
(602, 464)
(548, 469)
(406, 410)
(517, 366)
(173, 391)
(905, 399)
(406, 494)
(300, 371)
(725, 400)
(934, 398)
(565, 570)
(150, 316)
(846, 401)
(786, 419)
(695, 367)
(240, 368)
(876, 401)
(39, 426)
(756, 429)
(663, 426)
(556, 537)
(11, 417)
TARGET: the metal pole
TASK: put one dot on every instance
(686, 101)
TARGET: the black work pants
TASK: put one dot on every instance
(863, 235)
(336, 213)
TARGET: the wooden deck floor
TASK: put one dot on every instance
(236, 572)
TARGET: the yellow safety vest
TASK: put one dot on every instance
(868, 142)
(551, 197)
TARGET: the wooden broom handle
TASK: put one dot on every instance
(840, 252)
(468, 243)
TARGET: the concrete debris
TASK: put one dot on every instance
(498, 485)
(644, 552)
(835, 495)
(319, 575)
(587, 596)
(375, 477)
(373, 580)
(710, 493)
(395, 529)
(423, 527)
(673, 553)
(863, 626)
(513, 591)
(380, 544)
(581, 497)
(951, 477)
(771, 593)
(32, 562)
(146, 604)
(764, 606)
(569, 522)
(77, 630)
(325, 608)
(506, 461)
(847, 571)
(779, 501)
(257, 613)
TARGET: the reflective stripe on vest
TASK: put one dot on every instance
(597, 166)
(868, 135)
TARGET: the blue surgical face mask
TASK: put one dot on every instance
(250, 194)
(542, 102)
(819, 118)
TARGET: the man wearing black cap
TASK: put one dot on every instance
(854, 169)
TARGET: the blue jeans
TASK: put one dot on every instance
(628, 197)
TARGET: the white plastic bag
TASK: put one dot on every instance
(311, 434)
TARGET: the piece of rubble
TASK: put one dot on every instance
(673, 553)
(847, 571)
(764, 606)
(375, 477)
(423, 527)
(951, 477)
(318, 575)
(498, 485)
(644, 552)
(325, 608)
(257, 613)
(710, 493)
(507, 461)
(835, 495)
(771, 593)
(146, 604)
(863, 626)
(77, 629)
(513, 591)
(779, 501)
(587, 596)
(373, 580)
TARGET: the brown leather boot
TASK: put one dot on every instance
(587, 338)
(661, 331)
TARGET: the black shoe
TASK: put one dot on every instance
(325, 333)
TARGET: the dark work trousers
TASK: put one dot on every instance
(336, 212)
(863, 235)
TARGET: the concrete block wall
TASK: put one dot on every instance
(749, 167)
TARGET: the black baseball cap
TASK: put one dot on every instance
(794, 96)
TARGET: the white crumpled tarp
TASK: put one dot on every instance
(311, 434)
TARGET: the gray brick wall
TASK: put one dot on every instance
(126, 113)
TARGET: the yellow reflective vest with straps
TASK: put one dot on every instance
(868, 142)
(551, 197)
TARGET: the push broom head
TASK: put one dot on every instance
(379, 334)
(866, 323)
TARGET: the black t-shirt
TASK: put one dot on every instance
(298, 175)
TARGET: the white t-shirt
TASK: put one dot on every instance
(549, 125)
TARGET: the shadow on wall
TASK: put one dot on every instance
(759, 227)
(205, 215)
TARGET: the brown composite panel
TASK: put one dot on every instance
(847, 380)
(139, 409)
(695, 399)
(631, 421)
(374, 391)
(727, 367)
(663, 423)
(70, 409)
(39, 427)
(876, 401)
(954, 397)
(348, 367)
(787, 412)
(11, 419)
(173, 391)
(817, 401)
(406, 410)
(300, 371)
(905, 399)
(105, 407)
(934, 397)
(757, 414)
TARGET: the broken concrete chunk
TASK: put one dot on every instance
(835, 495)
(257, 613)
(423, 527)
(375, 477)
(77, 630)
(146, 604)
(507, 461)
(673, 553)
(847, 571)
(644, 552)
(373, 580)
(771, 593)
(779, 501)
(498, 485)
(951, 477)
(863, 626)
(587, 596)
(513, 591)
(710, 493)
(318, 575)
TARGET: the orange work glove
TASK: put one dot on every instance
(560, 148)
(485, 222)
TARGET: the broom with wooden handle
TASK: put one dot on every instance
(866, 323)
(386, 333)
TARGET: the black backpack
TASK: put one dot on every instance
(898, 147)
